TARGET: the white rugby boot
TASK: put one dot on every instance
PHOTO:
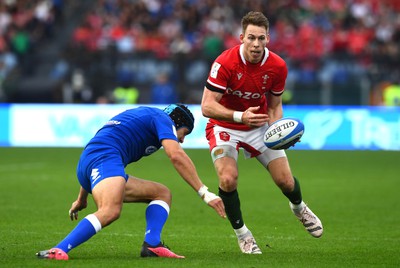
(309, 220)
(248, 244)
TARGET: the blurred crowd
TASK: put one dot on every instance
(23, 25)
(301, 30)
(320, 40)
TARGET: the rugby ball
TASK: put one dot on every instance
(283, 133)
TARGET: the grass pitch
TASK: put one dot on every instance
(355, 194)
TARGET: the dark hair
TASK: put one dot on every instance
(181, 116)
(255, 18)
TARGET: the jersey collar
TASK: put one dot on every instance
(266, 54)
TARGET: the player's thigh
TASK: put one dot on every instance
(139, 190)
(109, 193)
(226, 168)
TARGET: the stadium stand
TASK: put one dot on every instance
(337, 52)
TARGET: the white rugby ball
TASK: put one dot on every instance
(282, 132)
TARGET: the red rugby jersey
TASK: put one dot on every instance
(244, 84)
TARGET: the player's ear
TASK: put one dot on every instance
(241, 38)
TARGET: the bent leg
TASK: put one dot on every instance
(108, 195)
(290, 187)
(159, 198)
(277, 164)
(282, 175)
(139, 190)
(227, 172)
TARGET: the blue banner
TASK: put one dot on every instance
(348, 128)
(326, 127)
(5, 125)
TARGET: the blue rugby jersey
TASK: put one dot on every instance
(134, 133)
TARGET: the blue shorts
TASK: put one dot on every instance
(97, 165)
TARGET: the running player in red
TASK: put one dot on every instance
(242, 97)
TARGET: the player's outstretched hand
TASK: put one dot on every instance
(212, 200)
(76, 206)
(219, 207)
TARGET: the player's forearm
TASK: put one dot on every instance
(82, 196)
(211, 107)
(186, 169)
(218, 112)
(274, 115)
(275, 110)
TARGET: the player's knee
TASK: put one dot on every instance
(114, 215)
(285, 183)
(164, 194)
(108, 216)
(228, 182)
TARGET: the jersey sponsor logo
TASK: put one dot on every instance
(149, 150)
(214, 69)
(95, 175)
(224, 136)
(113, 122)
(244, 95)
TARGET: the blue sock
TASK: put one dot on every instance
(156, 216)
(85, 229)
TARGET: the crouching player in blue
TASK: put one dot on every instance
(126, 138)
